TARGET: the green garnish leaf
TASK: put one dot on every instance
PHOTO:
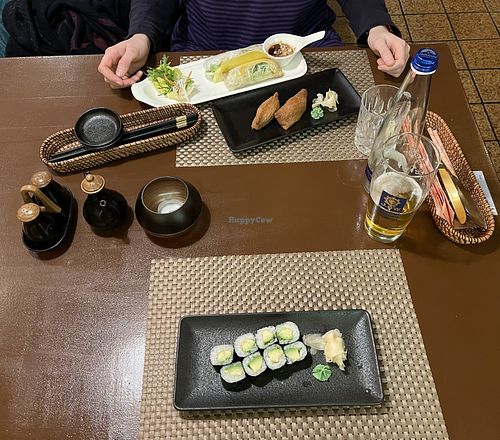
(322, 372)
(169, 81)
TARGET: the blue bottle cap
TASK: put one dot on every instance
(425, 60)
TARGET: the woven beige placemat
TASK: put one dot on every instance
(373, 280)
(334, 141)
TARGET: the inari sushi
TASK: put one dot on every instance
(295, 352)
(266, 336)
(245, 345)
(221, 355)
(233, 373)
(287, 333)
(292, 110)
(274, 356)
(265, 112)
(254, 364)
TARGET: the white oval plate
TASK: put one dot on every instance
(206, 90)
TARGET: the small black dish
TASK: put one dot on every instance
(234, 114)
(67, 218)
(168, 207)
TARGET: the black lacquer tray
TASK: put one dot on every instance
(198, 385)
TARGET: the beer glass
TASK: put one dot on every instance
(399, 185)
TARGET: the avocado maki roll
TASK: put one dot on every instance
(266, 336)
(221, 355)
(295, 352)
(287, 333)
(245, 345)
(233, 373)
(274, 356)
(254, 364)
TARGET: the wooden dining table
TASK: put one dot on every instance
(73, 322)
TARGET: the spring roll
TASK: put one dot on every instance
(265, 112)
(252, 72)
(216, 67)
(292, 110)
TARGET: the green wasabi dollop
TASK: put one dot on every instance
(322, 372)
(317, 113)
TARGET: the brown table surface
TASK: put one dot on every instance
(72, 327)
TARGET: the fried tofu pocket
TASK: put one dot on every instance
(265, 112)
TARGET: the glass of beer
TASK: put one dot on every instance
(399, 185)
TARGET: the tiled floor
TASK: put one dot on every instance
(471, 29)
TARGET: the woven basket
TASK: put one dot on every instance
(66, 139)
(466, 176)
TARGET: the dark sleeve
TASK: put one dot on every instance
(156, 19)
(366, 14)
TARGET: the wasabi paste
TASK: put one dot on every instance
(322, 372)
(317, 113)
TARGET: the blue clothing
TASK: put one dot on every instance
(230, 24)
(216, 24)
(4, 35)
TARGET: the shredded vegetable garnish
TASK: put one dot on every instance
(170, 81)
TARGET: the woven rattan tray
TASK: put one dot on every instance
(464, 172)
(66, 139)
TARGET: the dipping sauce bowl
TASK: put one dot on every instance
(283, 48)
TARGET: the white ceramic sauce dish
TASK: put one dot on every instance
(295, 42)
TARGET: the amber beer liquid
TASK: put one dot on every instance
(393, 201)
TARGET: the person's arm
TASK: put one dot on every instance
(154, 18)
(372, 25)
(151, 24)
(364, 15)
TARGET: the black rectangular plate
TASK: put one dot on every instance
(198, 385)
(235, 114)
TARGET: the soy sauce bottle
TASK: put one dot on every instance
(104, 208)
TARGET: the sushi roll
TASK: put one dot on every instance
(254, 364)
(233, 373)
(287, 333)
(295, 352)
(221, 355)
(274, 357)
(245, 345)
(266, 336)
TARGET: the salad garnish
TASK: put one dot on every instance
(170, 82)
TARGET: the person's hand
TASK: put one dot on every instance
(120, 63)
(393, 52)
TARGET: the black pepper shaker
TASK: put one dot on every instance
(104, 208)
